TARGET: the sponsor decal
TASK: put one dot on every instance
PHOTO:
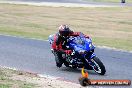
(85, 81)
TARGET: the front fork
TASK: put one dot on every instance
(90, 59)
(93, 55)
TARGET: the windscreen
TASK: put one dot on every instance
(80, 40)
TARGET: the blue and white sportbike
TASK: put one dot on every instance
(82, 54)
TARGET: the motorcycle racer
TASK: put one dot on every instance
(60, 42)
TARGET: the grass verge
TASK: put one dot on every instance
(18, 79)
(7, 80)
(111, 26)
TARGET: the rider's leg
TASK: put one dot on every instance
(58, 59)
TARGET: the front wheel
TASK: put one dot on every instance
(98, 66)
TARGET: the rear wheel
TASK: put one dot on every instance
(98, 66)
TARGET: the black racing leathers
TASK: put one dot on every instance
(59, 40)
(62, 40)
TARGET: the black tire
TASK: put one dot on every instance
(101, 68)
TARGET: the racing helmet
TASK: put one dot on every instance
(64, 30)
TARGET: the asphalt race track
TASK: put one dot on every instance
(35, 56)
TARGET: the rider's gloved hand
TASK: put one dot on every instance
(68, 51)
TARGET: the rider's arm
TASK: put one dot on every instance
(57, 40)
(77, 34)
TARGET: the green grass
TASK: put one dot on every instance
(118, 43)
(4, 86)
(111, 26)
(7, 82)
(16, 84)
(27, 86)
(114, 1)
